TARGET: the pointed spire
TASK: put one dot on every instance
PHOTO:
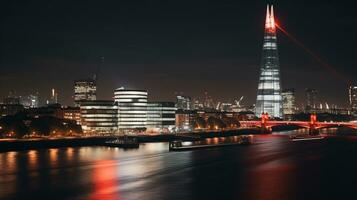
(272, 19)
(267, 19)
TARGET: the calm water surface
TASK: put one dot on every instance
(273, 168)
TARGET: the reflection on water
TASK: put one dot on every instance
(275, 176)
(272, 168)
(105, 180)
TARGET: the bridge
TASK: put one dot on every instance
(266, 125)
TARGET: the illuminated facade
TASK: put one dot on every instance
(353, 99)
(72, 113)
(84, 90)
(132, 105)
(161, 116)
(185, 120)
(183, 103)
(99, 117)
(30, 101)
(289, 106)
(269, 99)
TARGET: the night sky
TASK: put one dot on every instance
(173, 46)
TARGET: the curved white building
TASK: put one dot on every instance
(132, 106)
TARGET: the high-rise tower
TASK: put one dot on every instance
(269, 98)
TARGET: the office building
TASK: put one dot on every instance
(289, 105)
(185, 120)
(72, 113)
(84, 90)
(160, 116)
(30, 101)
(99, 117)
(183, 103)
(311, 99)
(269, 98)
(132, 106)
(11, 99)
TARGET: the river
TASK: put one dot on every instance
(272, 168)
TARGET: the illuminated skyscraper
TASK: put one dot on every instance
(269, 98)
(84, 90)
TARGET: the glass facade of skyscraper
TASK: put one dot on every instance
(269, 99)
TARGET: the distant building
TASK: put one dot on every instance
(53, 98)
(197, 104)
(30, 101)
(289, 106)
(160, 116)
(11, 105)
(132, 106)
(99, 117)
(55, 110)
(51, 110)
(185, 120)
(224, 107)
(72, 113)
(11, 99)
(84, 90)
(208, 102)
(353, 99)
(311, 99)
(183, 103)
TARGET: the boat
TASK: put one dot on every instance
(125, 142)
(296, 138)
(180, 145)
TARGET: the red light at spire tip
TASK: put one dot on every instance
(270, 20)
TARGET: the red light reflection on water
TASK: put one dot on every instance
(105, 180)
(274, 182)
(273, 177)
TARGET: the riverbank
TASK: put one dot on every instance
(46, 143)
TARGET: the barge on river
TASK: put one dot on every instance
(180, 145)
(125, 143)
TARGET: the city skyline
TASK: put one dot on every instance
(231, 48)
(162, 99)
